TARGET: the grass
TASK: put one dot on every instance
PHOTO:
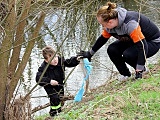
(131, 100)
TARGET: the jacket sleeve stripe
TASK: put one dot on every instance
(105, 34)
(136, 35)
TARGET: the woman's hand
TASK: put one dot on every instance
(85, 54)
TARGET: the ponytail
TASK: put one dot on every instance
(108, 12)
(111, 6)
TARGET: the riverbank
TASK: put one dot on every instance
(130, 100)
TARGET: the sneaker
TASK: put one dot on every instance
(53, 112)
(146, 70)
(122, 78)
(138, 74)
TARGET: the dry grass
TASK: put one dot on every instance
(119, 101)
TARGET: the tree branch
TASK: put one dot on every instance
(64, 98)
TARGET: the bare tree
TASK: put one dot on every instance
(14, 23)
(14, 26)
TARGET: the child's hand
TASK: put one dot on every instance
(54, 82)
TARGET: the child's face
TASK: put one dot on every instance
(54, 60)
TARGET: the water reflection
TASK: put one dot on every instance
(59, 24)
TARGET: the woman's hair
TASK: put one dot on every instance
(108, 12)
(47, 52)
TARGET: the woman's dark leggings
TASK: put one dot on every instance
(122, 52)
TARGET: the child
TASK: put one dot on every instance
(53, 78)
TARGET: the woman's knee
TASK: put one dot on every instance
(127, 55)
(130, 53)
(112, 49)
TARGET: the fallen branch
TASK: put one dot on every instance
(40, 107)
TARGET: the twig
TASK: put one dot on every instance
(64, 98)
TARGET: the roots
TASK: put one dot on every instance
(19, 109)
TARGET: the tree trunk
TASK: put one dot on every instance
(11, 67)
(4, 56)
(19, 39)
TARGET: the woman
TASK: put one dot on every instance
(138, 38)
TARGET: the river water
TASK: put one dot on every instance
(58, 25)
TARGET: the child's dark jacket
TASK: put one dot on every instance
(55, 72)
